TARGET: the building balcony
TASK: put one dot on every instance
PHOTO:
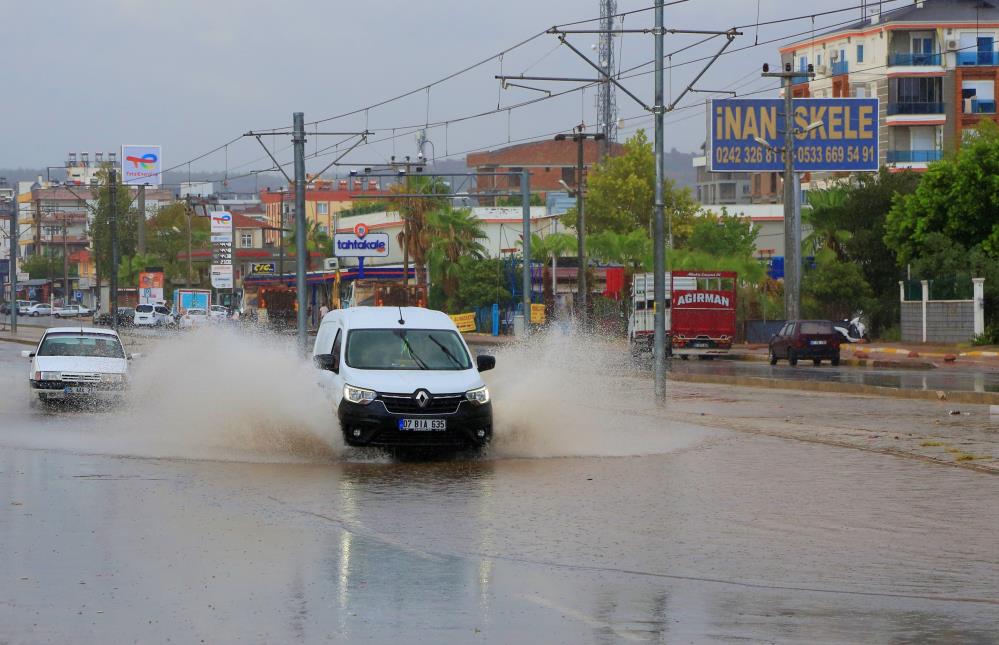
(910, 59)
(915, 107)
(977, 59)
(978, 106)
(840, 67)
(914, 156)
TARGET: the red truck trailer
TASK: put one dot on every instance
(700, 312)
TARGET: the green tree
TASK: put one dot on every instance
(454, 234)
(824, 218)
(47, 266)
(130, 266)
(481, 284)
(316, 240)
(957, 197)
(633, 249)
(834, 289)
(166, 240)
(553, 245)
(127, 223)
(620, 194)
(723, 235)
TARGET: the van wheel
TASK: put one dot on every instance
(792, 359)
(773, 357)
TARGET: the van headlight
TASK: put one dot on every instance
(478, 396)
(358, 395)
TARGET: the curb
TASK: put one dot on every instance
(19, 341)
(981, 398)
(849, 362)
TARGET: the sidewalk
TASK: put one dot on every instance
(897, 354)
(24, 336)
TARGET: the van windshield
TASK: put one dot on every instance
(406, 349)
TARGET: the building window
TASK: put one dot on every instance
(803, 64)
(818, 60)
(246, 240)
(515, 179)
(860, 53)
(569, 175)
(323, 208)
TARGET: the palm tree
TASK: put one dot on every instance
(823, 218)
(633, 250)
(414, 238)
(546, 250)
(453, 234)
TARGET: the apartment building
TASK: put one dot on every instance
(933, 64)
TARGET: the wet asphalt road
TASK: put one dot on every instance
(726, 537)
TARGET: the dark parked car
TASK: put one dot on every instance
(806, 339)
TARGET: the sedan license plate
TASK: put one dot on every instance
(817, 342)
(78, 390)
(422, 425)
(702, 345)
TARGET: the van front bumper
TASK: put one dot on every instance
(471, 426)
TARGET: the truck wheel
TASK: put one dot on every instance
(792, 359)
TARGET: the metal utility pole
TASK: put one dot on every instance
(659, 239)
(113, 191)
(582, 291)
(65, 265)
(281, 235)
(792, 214)
(190, 217)
(140, 246)
(301, 248)
(525, 198)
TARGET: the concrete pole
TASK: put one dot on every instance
(659, 241)
(581, 288)
(113, 192)
(15, 231)
(525, 198)
(926, 296)
(301, 229)
(65, 264)
(792, 230)
(140, 246)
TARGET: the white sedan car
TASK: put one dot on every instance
(193, 318)
(218, 312)
(71, 311)
(40, 309)
(73, 363)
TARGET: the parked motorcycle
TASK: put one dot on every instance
(853, 330)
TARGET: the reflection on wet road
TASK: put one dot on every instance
(842, 546)
(944, 378)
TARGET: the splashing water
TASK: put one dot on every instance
(574, 395)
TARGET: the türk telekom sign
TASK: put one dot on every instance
(141, 165)
(361, 244)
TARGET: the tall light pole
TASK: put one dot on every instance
(792, 214)
(582, 292)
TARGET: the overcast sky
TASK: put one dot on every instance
(193, 74)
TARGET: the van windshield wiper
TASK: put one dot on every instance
(447, 352)
(412, 354)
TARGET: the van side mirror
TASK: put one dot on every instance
(326, 362)
(484, 362)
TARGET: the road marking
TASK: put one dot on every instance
(581, 617)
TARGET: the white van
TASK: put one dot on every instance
(403, 376)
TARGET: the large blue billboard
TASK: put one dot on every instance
(838, 134)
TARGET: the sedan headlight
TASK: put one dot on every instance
(112, 378)
(478, 396)
(48, 376)
(358, 395)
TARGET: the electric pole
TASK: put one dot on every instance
(14, 243)
(582, 291)
(659, 338)
(140, 246)
(113, 192)
(525, 200)
(792, 213)
(301, 230)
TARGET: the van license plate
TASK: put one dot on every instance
(817, 342)
(423, 425)
(78, 390)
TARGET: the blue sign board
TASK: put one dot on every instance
(831, 135)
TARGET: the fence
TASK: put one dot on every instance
(940, 311)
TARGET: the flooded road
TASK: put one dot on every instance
(707, 535)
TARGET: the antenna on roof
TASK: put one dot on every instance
(401, 320)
